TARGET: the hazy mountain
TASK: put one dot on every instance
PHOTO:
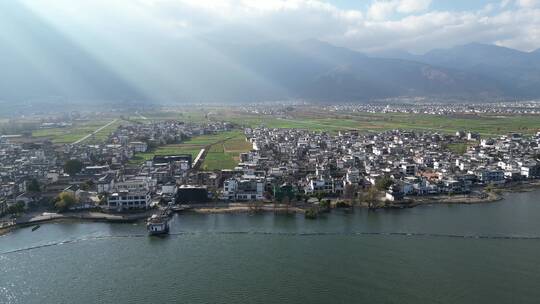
(515, 73)
(320, 71)
(39, 62)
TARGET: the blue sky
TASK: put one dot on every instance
(445, 5)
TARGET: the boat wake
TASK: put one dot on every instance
(292, 234)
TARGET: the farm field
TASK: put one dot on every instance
(369, 122)
(226, 154)
(458, 148)
(484, 125)
(223, 153)
(71, 134)
(193, 115)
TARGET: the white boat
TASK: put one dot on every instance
(157, 224)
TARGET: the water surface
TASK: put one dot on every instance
(485, 253)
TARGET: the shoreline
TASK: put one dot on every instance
(242, 208)
(458, 199)
(76, 217)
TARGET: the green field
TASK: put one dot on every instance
(317, 120)
(226, 155)
(484, 125)
(457, 148)
(193, 115)
(71, 134)
(223, 153)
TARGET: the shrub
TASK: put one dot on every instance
(311, 213)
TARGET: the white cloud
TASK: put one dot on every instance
(385, 24)
(504, 3)
(413, 6)
(383, 9)
(528, 3)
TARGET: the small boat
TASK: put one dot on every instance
(157, 224)
(36, 227)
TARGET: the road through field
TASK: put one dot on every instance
(95, 132)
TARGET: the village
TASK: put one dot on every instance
(284, 167)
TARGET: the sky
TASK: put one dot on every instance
(416, 26)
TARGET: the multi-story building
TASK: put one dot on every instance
(408, 169)
(139, 146)
(530, 170)
(243, 189)
(128, 200)
(488, 176)
(129, 195)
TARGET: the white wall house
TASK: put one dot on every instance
(130, 194)
(138, 146)
(128, 200)
(243, 189)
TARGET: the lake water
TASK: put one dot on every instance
(487, 253)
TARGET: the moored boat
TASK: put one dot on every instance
(157, 224)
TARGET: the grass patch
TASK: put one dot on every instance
(223, 153)
(77, 131)
(331, 122)
(457, 148)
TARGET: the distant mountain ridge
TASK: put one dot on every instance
(320, 71)
(515, 73)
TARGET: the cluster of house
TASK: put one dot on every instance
(142, 136)
(419, 107)
(19, 164)
(292, 160)
(415, 163)
(106, 178)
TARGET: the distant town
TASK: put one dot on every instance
(211, 162)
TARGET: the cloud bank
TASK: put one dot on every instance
(412, 25)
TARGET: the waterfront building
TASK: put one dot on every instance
(128, 200)
(245, 188)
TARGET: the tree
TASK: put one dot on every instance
(65, 201)
(384, 183)
(256, 206)
(87, 185)
(287, 202)
(215, 196)
(299, 197)
(18, 207)
(490, 188)
(73, 166)
(311, 213)
(284, 195)
(33, 186)
(349, 193)
(325, 205)
(277, 200)
(371, 197)
(319, 195)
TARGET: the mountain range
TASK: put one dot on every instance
(44, 63)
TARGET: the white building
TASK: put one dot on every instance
(530, 170)
(130, 194)
(138, 146)
(408, 169)
(128, 200)
(243, 189)
(320, 185)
